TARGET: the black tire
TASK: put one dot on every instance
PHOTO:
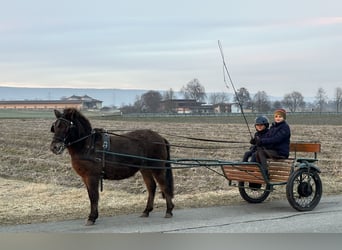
(304, 189)
(254, 193)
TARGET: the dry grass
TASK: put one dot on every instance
(39, 186)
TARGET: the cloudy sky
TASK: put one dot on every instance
(274, 46)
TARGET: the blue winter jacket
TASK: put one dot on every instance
(277, 138)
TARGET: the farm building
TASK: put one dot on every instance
(87, 101)
(78, 102)
(181, 106)
(191, 106)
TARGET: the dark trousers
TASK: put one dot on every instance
(263, 154)
(249, 154)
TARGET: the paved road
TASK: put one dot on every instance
(270, 216)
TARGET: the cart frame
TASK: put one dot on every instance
(299, 174)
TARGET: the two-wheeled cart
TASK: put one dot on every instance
(298, 173)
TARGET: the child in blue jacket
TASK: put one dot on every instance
(261, 126)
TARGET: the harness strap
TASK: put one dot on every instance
(106, 148)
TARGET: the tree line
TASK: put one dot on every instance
(150, 102)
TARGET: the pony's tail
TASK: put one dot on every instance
(168, 174)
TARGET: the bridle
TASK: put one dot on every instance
(70, 125)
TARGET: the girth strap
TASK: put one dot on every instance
(106, 148)
(106, 141)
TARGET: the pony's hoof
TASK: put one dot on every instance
(144, 215)
(168, 215)
(90, 223)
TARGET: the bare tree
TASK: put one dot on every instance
(293, 101)
(169, 95)
(218, 97)
(261, 102)
(194, 90)
(138, 105)
(243, 98)
(338, 98)
(151, 101)
(321, 99)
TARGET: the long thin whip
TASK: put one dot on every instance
(231, 83)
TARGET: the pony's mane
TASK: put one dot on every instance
(80, 121)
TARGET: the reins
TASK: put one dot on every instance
(188, 138)
(173, 135)
(185, 162)
(203, 139)
(172, 145)
(80, 139)
(177, 163)
(182, 163)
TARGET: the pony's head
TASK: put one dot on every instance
(69, 127)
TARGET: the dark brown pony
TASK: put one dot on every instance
(96, 155)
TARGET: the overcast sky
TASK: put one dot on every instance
(274, 46)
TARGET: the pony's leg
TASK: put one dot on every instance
(151, 188)
(160, 178)
(92, 184)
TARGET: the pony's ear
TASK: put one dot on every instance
(57, 113)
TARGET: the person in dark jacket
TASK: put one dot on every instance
(261, 125)
(276, 142)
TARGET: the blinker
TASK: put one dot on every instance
(52, 130)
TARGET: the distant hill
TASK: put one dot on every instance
(116, 97)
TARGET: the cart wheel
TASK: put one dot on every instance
(304, 189)
(253, 192)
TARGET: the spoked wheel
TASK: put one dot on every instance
(254, 192)
(304, 189)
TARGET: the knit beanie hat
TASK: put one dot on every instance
(281, 112)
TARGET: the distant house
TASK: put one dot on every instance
(235, 108)
(223, 108)
(181, 106)
(83, 102)
(87, 101)
(191, 106)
